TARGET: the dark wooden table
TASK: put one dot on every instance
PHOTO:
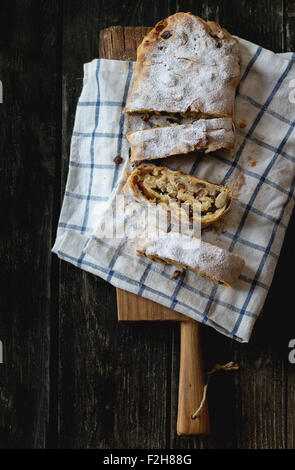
(72, 376)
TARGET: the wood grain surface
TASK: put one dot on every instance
(73, 377)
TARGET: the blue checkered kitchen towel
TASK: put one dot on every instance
(261, 171)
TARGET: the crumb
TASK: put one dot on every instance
(243, 123)
(118, 160)
(237, 185)
(252, 162)
(126, 176)
(176, 275)
(239, 141)
(266, 188)
(146, 117)
(210, 229)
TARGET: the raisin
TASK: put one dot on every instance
(174, 120)
(166, 35)
(118, 160)
(159, 191)
(212, 209)
(160, 27)
(176, 275)
(199, 194)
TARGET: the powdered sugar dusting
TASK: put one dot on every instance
(190, 71)
(180, 139)
(204, 258)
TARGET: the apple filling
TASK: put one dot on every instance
(198, 198)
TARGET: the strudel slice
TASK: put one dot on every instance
(186, 65)
(182, 195)
(185, 252)
(203, 135)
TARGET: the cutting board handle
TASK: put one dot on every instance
(191, 382)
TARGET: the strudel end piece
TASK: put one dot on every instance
(185, 252)
(203, 135)
(184, 196)
(186, 65)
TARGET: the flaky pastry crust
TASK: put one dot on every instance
(185, 252)
(206, 135)
(186, 65)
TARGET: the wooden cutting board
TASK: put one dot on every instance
(120, 43)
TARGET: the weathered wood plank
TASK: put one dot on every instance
(247, 409)
(260, 387)
(260, 22)
(264, 392)
(285, 283)
(28, 70)
(114, 377)
(103, 364)
(116, 43)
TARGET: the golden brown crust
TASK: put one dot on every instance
(184, 196)
(212, 28)
(184, 65)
